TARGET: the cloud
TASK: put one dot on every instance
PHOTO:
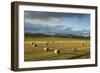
(52, 22)
(40, 14)
(38, 28)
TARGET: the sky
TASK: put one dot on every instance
(56, 23)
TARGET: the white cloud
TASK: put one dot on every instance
(53, 21)
(35, 21)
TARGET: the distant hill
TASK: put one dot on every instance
(54, 35)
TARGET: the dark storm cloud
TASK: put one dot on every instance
(54, 22)
(37, 14)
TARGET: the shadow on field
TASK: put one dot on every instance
(76, 55)
(44, 57)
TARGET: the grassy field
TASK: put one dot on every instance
(70, 48)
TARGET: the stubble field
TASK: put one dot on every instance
(55, 48)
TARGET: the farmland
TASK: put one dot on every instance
(69, 48)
